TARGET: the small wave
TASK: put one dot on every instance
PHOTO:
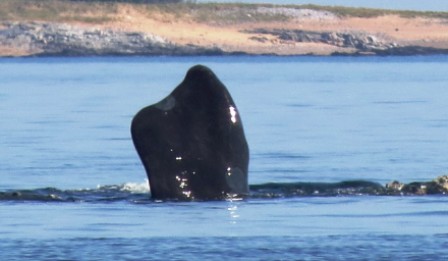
(347, 188)
(140, 192)
(130, 192)
(399, 102)
(131, 187)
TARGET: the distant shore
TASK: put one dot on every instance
(67, 28)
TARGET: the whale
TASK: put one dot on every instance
(192, 143)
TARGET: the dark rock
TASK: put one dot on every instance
(352, 187)
(49, 39)
(436, 186)
(363, 43)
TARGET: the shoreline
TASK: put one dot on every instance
(121, 29)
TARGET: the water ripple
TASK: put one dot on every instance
(135, 193)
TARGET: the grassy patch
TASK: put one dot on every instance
(236, 13)
(56, 11)
(371, 12)
(212, 13)
(209, 13)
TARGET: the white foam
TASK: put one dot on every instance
(134, 187)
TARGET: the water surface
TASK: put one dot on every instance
(65, 130)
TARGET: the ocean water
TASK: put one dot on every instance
(72, 186)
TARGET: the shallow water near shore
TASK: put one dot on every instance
(65, 133)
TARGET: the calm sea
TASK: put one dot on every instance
(72, 186)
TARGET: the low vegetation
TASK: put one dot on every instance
(371, 12)
(99, 11)
(216, 14)
(56, 11)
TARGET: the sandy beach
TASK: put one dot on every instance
(232, 37)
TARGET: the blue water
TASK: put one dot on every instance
(65, 129)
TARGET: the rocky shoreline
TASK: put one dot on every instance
(360, 42)
(58, 39)
(53, 39)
